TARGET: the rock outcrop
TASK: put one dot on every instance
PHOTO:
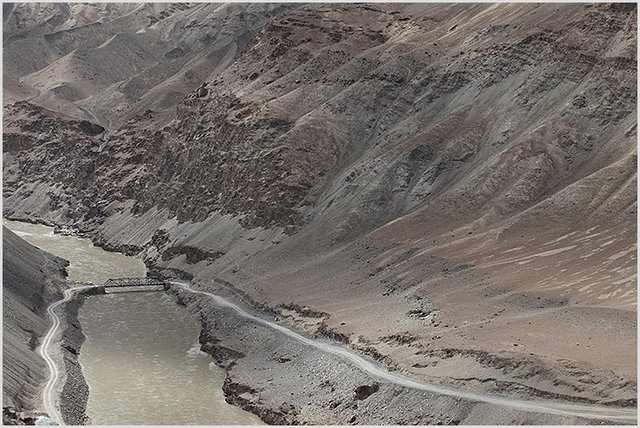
(453, 185)
(109, 63)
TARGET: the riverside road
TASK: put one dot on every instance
(370, 368)
(49, 392)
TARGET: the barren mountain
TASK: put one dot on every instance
(108, 62)
(450, 188)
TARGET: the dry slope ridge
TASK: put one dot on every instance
(451, 188)
(107, 63)
(31, 279)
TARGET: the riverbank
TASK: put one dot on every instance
(74, 392)
(389, 300)
(287, 382)
(32, 279)
(284, 381)
(66, 398)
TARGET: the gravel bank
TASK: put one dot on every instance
(75, 391)
(286, 382)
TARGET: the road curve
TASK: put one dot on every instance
(48, 393)
(378, 372)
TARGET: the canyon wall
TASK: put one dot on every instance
(450, 188)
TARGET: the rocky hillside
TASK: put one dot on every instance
(106, 62)
(31, 280)
(448, 187)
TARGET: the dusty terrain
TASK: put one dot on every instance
(31, 279)
(450, 189)
(107, 63)
(286, 381)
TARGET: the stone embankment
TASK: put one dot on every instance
(75, 391)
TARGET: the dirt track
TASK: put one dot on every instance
(50, 392)
(379, 374)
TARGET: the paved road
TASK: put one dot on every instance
(49, 393)
(378, 372)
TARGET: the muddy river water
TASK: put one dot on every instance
(141, 358)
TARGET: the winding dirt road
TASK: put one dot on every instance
(372, 369)
(49, 393)
(380, 373)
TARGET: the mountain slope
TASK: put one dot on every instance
(31, 279)
(107, 63)
(449, 187)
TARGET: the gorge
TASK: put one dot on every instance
(446, 189)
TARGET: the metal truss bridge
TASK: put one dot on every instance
(147, 283)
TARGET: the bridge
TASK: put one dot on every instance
(120, 285)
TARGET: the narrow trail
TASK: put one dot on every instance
(380, 373)
(49, 391)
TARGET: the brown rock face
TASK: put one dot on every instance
(108, 63)
(454, 184)
(364, 391)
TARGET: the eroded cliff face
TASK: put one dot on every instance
(451, 187)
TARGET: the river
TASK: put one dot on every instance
(141, 358)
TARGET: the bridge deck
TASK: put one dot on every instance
(133, 282)
(134, 289)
